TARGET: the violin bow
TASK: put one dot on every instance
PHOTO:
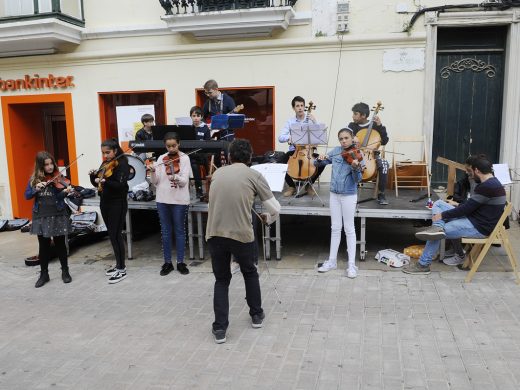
(177, 158)
(130, 149)
(60, 173)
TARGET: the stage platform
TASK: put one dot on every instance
(402, 207)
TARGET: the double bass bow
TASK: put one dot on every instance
(369, 136)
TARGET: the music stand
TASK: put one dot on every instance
(303, 134)
(226, 123)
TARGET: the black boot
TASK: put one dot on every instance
(44, 278)
(65, 276)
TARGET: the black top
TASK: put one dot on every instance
(484, 208)
(116, 185)
(47, 204)
(380, 129)
(215, 107)
(202, 133)
(143, 135)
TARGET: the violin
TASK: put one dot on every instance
(59, 181)
(106, 169)
(352, 153)
(172, 166)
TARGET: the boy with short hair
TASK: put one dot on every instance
(218, 103)
(145, 133)
(360, 114)
(298, 105)
(198, 159)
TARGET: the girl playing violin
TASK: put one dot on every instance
(111, 179)
(170, 175)
(50, 216)
(346, 174)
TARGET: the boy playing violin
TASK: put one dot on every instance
(360, 114)
(170, 175)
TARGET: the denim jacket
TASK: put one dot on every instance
(344, 178)
(59, 195)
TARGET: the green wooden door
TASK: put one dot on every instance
(468, 95)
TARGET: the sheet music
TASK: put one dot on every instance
(501, 172)
(309, 134)
(183, 121)
(273, 173)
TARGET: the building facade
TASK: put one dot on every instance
(67, 67)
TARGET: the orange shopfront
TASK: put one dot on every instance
(33, 123)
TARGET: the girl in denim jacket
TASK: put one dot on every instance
(343, 200)
(50, 216)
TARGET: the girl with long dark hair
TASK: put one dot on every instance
(111, 179)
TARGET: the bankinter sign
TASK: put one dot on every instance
(36, 82)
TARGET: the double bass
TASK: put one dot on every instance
(370, 141)
(301, 164)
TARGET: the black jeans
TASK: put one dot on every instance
(382, 168)
(221, 250)
(114, 213)
(198, 160)
(44, 252)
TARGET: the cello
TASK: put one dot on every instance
(370, 142)
(301, 164)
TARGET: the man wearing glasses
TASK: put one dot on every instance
(218, 103)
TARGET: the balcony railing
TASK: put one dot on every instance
(194, 6)
(70, 11)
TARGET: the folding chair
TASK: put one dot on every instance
(481, 246)
(399, 166)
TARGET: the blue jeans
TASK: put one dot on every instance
(172, 216)
(454, 228)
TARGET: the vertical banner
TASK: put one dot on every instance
(129, 120)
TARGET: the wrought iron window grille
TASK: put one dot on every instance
(196, 6)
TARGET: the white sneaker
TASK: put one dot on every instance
(117, 276)
(235, 267)
(111, 270)
(454, 260)
(352, 271)
(327, 266)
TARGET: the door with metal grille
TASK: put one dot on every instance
(468, 95)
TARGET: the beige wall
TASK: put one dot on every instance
(307, 71)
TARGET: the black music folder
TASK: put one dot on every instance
(183, 131)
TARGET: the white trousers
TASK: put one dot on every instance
(342, 210)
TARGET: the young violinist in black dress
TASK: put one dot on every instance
(50, 215)
(111, 180)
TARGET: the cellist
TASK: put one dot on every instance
(360, 114)
(298, 105)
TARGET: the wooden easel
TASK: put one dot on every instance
(452, 172)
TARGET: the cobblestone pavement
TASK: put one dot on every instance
(383, 330)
